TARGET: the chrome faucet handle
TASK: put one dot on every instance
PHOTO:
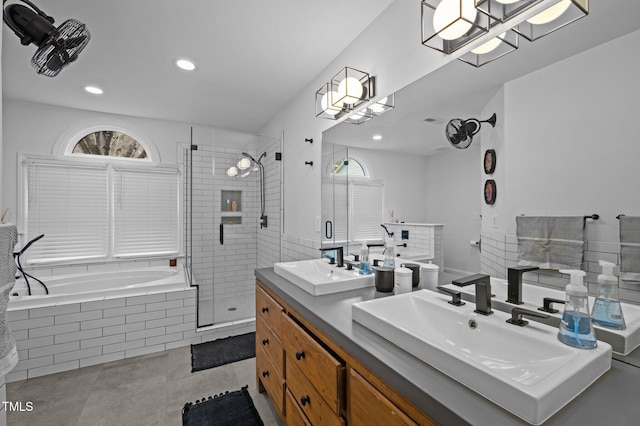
(456, 296)
(518, 313)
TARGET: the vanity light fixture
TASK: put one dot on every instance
(94, 90)
(347, 91)
(503, 10)
(449, 25)
(377, 108)
(491, 50)
(555, 17)
(185, 64)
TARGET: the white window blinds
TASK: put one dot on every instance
(146, 212)
(366, 209)
(69, 204)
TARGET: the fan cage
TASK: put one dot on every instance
(63, 47)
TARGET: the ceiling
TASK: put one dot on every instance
(252, 56)
(459, 90)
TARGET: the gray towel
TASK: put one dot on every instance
(550, 242)
(8, 351)
(630, 248)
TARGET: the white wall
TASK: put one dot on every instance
(453, 197)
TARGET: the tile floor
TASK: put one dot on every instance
(145, 390)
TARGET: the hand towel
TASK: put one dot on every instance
(550, 242)
(8, 351)
(630, 248)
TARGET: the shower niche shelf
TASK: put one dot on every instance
(230, 201)
(231, 220)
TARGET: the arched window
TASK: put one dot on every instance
(111, 143)
(348, 166)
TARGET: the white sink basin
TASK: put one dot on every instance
(318, 277)
(622, 341)
(525, 370)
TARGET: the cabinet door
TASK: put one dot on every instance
(269, 310)
(367, 406)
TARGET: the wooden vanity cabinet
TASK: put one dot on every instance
(321, 383)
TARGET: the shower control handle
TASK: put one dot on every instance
(299, 355)
(265, 342)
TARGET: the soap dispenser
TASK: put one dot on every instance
(364, 260)
(607, 311)
(389, 255)
(575, 327)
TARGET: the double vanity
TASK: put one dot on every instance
(352, 355)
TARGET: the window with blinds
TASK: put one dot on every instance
(145, 212)
(99, 211)
(69, 204)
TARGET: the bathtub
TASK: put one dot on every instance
(84, 287)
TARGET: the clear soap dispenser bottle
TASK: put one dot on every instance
(607, 311)
(364, 260)
(389, 255)
(575, 327)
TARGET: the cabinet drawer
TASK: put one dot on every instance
(309, 400)
(320, 367)
(271, 380)
(295, 416)
(269, 310)
(271, 345)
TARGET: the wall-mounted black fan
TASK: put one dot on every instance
(57, 47)
(460, 132)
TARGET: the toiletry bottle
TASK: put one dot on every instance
(364, 259)
(575, 327)
(389, 255)
(607, 311)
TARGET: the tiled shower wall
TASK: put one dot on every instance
(423, 238)
(500, 251)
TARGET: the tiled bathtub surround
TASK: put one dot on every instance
(423, 238)
(70, 336)
(500, 251)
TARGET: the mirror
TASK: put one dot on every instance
(444, 185)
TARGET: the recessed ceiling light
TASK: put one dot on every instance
(377, 137)
(185, 64)
(94, 90)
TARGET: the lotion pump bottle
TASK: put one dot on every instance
(364, 260)
(575, 327)
(389, 255)
(607, 311)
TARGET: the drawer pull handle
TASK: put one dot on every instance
(265, 309)
(299, 355)
(265, 373)
(265, 342)
(305, 400)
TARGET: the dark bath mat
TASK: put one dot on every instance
(228, 409)
(223, 351)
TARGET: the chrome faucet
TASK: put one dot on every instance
(514, 280)
(483, 291)
(339, 258)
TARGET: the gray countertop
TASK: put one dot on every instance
(612, 399)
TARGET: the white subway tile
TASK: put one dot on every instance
(189, 326)
(77, 336)
(99, 323)
(118, 347)
(34, 343)
(52, 369)
(55, 329)
(102, 341)
(20, 335)
(50, 311)
(151, 298)
(124, 328)
(116, 312)
(164, 305)
(134, 335)
(102, 304)
(147, 316)
(28, 324)
(26, 364)
(78, 317)
(180, 311)
(163, 322)
(82, 353)
(53, 349)
(165, 338)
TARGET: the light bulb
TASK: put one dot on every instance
(507, 1)
(449, 13)
(550, 14)
(232, 172)
(488, 46)
(350, 90)
(325, 103)
(244, 163)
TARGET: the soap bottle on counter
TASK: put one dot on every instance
(607, 311)
(389, 254)
(364, 260)
(575, 326)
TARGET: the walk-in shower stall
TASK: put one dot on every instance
(232, 225)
